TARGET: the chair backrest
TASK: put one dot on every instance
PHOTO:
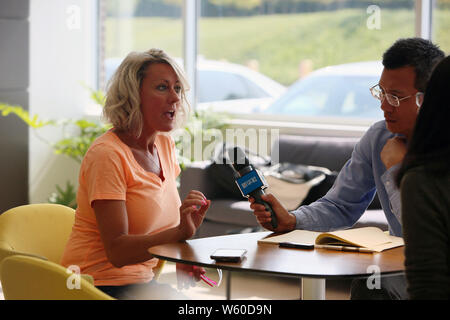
(36, 229)
(329, 152)
(31, 278)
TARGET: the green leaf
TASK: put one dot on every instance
(66, 197)
(33, 122)
(96, 95)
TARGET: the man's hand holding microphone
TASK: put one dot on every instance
(286, 220)
(269, 212)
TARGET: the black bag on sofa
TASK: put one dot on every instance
(319, 190)
(222, 172)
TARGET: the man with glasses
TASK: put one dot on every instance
(408, 64)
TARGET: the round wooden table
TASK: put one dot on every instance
(312, 266)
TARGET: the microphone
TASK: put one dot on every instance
(249, 180)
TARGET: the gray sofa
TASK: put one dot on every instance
(227, 216)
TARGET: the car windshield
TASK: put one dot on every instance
(330, 96)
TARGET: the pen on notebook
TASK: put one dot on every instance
(342, 248)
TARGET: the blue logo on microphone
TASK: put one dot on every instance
(249, 182)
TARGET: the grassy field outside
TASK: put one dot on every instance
(278, 42)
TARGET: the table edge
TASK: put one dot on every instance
(275, 273)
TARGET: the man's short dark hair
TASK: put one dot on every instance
(419, 53)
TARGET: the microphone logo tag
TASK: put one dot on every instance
(245, 184)
(250, 182)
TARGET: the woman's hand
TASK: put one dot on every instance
(192, 213)
(187, 275)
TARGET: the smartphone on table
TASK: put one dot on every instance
(228, 255)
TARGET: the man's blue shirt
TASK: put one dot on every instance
(355, 187)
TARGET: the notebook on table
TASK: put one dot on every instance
(371, 239)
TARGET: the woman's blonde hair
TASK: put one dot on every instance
(122, 105)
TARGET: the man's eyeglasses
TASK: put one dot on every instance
(378, 93)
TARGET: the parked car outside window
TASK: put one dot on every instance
(336, 91)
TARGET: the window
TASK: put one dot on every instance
(330, 95)
(280, 46)
(138, 25)
(288, 40)
(441, 24)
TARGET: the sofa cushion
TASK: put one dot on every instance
(328, 152)
(231, 211)
(214, 229)
(195, 177)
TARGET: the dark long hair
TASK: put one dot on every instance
(430, 142)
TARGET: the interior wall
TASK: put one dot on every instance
(63, 62)
(14, 81)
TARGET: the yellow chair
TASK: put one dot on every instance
(36, 230)
(40, 230)
(31, 278)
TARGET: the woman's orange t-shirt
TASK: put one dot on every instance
(109, 171)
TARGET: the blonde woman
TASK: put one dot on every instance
(127, 197)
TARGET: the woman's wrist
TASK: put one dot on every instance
(181, 233)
